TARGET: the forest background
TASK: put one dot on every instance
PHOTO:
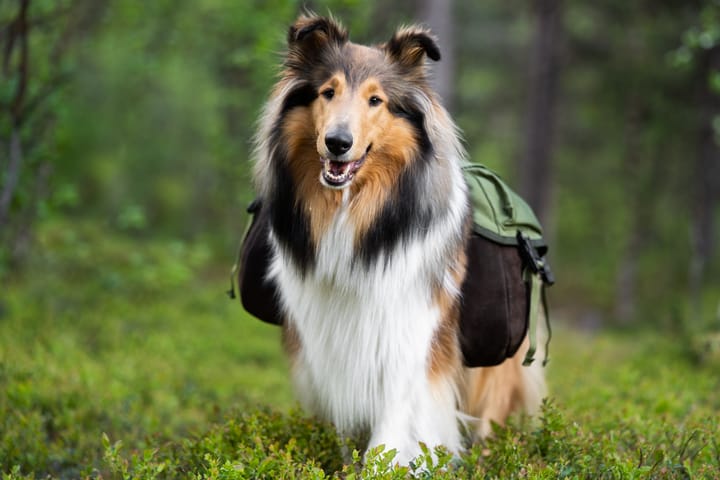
(126, 130)
(139, 116)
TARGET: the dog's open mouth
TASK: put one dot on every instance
(338, 174)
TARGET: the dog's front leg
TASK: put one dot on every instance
(427, 415)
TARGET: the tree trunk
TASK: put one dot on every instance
(706, 181)
(535, 165)
(21, 168)
(12, 176)
(23, 229)
(626, 279)
(438, 16)
(17, 33)
(642, 174)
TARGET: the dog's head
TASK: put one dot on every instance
(365, 105)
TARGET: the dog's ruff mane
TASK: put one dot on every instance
(369, 275)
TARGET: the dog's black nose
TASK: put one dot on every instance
(338, 142)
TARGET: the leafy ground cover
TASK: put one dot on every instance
(123, 358)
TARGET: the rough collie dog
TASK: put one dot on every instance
(359, 167)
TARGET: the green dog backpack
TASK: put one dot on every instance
(502, 291)
(507, 273)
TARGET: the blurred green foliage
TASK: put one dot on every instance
(145, 114)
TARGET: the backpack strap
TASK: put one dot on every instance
(535, 283)
(252, 210)
(546, 311)
(537, 275)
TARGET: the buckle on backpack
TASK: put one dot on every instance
(532, 260)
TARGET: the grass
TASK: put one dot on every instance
(123, 358)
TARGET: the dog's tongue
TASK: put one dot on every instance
(339, 173)
(338, 168)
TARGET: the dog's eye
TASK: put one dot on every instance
(375, 101)
(328, 93)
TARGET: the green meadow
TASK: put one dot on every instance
(122, 357)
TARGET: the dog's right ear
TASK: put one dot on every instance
(410, 45)
(310, 35)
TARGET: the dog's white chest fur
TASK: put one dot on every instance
(365, 335)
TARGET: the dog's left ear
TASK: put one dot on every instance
(410, 45)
